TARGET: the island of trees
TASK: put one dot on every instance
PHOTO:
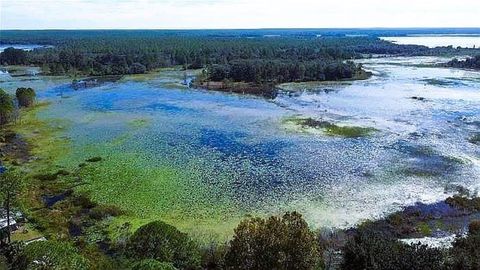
(469, 63)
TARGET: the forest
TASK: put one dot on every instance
(237, 58)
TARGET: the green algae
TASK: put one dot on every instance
(438, 82)
(148, 191)
(44, 137)
(144, 191)
(313, 126)
(424, 229)
(316, 85)
(139, 123)
(348, 131)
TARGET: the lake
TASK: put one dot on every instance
(432, 41)
(202, 160)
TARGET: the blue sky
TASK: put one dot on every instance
(198, 14)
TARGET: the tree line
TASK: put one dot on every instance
(469, 62)
(132, 52)
(117, 56)
(278, 71)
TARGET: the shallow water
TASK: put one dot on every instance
(203, 159)
(432, 41)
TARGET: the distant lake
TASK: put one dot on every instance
(26, 47)
(432, 41)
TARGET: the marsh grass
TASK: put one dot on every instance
(310, 125)
(475, 139)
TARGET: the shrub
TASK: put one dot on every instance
(46, 176)
(474, 227)
(3, 262)
(6, 107)
(100, 212)
(25, 97)
(83, 201)
(13, 256)
(150, 264)
(54, 255)
(213, 255)
(465, 252)
(274, 243)
(369, 250)
(464, 203)
(160, 241)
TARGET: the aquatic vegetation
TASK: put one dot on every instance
(329, 128)
(47, 144)
(475, 139)
(139, 123)
(424, 229)
(441, 82)
(418, 98)
(313, 86)
(94, 159)
(348, 131)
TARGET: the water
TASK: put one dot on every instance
(204, 159)
(433, 41)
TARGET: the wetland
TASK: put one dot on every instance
(203, 160)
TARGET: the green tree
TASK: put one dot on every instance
(12, 56)
(10, 186)
(25, 96)
(160, 241)
(274, 243)
(6, 107)
(137, 68)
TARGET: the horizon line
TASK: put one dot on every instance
(236, 29)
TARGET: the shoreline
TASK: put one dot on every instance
(269, 91)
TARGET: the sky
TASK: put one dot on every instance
(237, 14)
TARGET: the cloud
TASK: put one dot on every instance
(194, 14)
